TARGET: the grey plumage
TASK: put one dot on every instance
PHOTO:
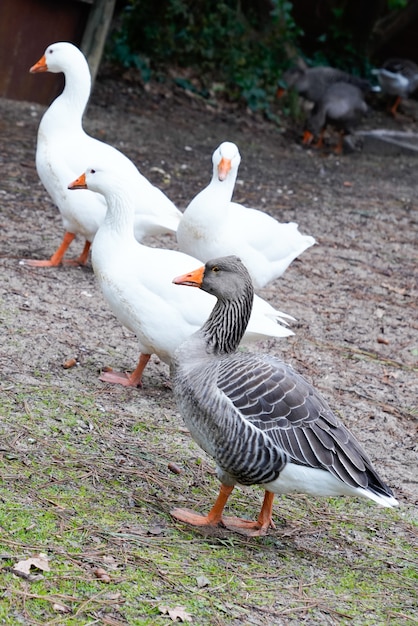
(311, 83)
(256, 416)
(341, 105)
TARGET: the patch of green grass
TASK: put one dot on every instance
(90, 486)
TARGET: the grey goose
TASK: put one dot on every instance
(260, 420)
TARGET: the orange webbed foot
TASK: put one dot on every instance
(57, 257)
(125, 379)
(241, 526)
(74, 262)
(260, 526)
(247, 527)
(195, 519)
(213, 518)
(39, 263)
(119, 378)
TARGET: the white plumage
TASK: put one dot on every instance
(136, 280)
(213, 225)
(64, 150)
(397, 77)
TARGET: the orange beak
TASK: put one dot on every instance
(224, 168)
(40, 66)
(280, 92)
(192, 279)
(79, 183)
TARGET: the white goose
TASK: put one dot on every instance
(136, 280)
(64, 150)
(259, 419)
(213, 226)
(397, 77)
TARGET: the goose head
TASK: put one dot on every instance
(229, 281)
(58, 57)
(112, 181)
(103, 179)
(226, 277)
(225, 159)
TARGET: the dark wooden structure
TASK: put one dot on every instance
(27, 27)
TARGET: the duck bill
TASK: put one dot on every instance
(40, 66)
(224, 168)
(191, 279)
(78, 183)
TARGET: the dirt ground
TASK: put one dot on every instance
(354, 294)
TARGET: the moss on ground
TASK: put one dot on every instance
(93, 490)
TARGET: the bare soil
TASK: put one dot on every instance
(354, 294)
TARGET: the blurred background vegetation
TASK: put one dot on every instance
(238, 49)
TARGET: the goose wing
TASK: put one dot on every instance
(277, 400)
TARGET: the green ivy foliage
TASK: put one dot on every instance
(225, 43)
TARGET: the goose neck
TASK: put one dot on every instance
(227, 323)
(225, 187)
(72, 101)
(120, 214)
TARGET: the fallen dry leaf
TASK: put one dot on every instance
(69, 364)
(173, 467)
(102, 575)
(39, 562)
(177, 613)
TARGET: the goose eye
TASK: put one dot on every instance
(215, 269)
(92, 171)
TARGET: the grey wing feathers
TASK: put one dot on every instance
(278, 401)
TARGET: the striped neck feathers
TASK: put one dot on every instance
(227, 323)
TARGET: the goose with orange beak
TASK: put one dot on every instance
(261, 421)
(213, 225)
(144, 301)
(64, 150)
